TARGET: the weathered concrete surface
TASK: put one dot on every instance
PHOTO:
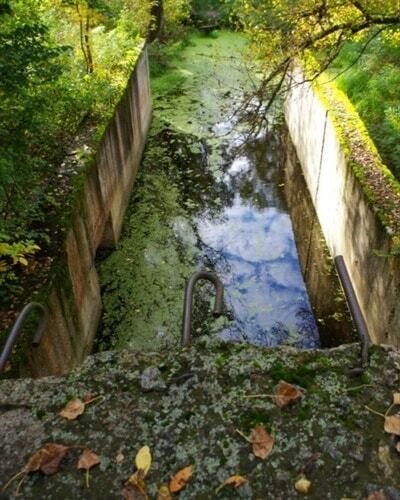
(187, 408)
(348, 217)
(75, 302)
(318, 268)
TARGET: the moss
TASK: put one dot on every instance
(329, 433)
(302, 376)
(351, 129)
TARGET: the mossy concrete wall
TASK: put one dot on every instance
(74, 302)
(347, 216)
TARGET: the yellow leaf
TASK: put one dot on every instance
(73, 409)
(262, 442)
(392, 425)
(22, 261)
(235, 481)
(3, 266)
(164, 493)
(303, 485)
(178, 482)
(143, 459)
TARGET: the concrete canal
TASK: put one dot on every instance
(208, 196)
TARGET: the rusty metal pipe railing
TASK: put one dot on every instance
(355, 310)
(16, 330)
(188, 304)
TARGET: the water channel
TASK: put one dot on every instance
(209, 197)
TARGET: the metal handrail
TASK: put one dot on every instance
(355, 309)
(188, 304)
(16, 330)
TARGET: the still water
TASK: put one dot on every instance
(207, 197)
(252, 247)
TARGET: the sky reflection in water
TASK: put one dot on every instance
(252, 248)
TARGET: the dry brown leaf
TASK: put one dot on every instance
(377, 495)
(164, 493)
(143, 459)
(262, 442)
(119, 458)
(235, 481)
(392, 424)
(286, 393)
(133, 492)
(88, 459)
(178, 482)
(135, 488)
(47, 459)
(73, 409)
(303, 485)
(396, 398)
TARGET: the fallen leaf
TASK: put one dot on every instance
(392, 425)
(286, 393)
(119, 458)
(73, 409)
(143, 459)
(178, 482)
(47, 459)
(396, 398)
(132, 492)
(235, 481)
(303, 485)
(88, 459)
(398, 447)
(164, 493)
(135, 488)
(262, 442)
(377, 495)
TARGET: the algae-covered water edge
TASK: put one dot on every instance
(205, 198)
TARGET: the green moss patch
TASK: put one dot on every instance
(381, 188)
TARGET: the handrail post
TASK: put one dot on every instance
(188, 303)
(16, 330)
(354, 307)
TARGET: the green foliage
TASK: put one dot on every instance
(64, 64)
(372, 84)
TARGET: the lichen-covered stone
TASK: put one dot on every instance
(330, 435)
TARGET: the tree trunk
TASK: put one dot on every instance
(90, 65)
(157, 21)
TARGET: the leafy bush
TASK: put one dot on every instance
(372, 82)
(46, 96)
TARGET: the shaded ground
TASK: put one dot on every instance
(189, 411)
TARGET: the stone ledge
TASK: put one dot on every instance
(189, 416)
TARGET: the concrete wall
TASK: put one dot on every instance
(319, 272)
(348, 219)
(75, 302)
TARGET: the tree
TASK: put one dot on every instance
(285, 30)
(157, 20)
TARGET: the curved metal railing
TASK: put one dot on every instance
(16, 331)
(188, 305)
(355, 310)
